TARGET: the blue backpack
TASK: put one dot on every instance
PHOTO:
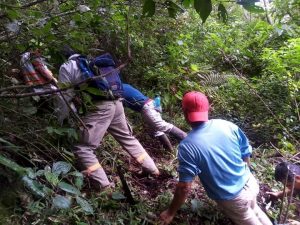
(103, 65)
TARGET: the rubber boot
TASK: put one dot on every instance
(178, 133)
(164, 140)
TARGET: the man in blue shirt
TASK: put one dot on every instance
(219, 153)
(138, 102)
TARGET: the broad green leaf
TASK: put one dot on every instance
(61, 202)
(118, 196)
(76, 174)
(78, 179)
(12, 165)
(253, 8)
(68, 188)
(34, 187)
(222, 13)
(79, 182)
(148, 8)
(203, 8)
(61, 167)
(52, 178)
(85, 205)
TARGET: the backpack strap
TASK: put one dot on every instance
(98, 73)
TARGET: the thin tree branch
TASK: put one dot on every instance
(32, 3)
(22, 87)
(29, 94)
(253, 90)
(127, 30)
(289, 200)
(76, 117)
(283, 196)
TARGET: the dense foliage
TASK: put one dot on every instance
(246, 59)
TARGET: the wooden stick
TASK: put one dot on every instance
(126, 189)
(290, 199)
(283, 196)
(74, 114)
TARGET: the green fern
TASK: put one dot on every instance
(213, 79)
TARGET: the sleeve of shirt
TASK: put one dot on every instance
(187, 169)
(62, 109)
(245, 147)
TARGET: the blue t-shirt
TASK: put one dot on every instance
(215, 151)
(133, 98)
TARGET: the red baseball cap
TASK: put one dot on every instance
(195, 105)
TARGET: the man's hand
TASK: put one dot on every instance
(165, 217)
(181, 193)
(275, 195)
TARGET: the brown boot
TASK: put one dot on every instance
(178, 133)
(164, 140)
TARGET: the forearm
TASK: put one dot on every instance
(247, 160)
(181, 193)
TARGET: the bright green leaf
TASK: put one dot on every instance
(52, 178)
(194, 67)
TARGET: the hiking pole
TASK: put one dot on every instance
(125, 186)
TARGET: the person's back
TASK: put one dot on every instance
(69, 71)
(219, 153)
(218, 148)
(106, 115)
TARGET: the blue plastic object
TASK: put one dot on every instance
(157, 103)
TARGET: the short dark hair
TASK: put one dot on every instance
(284, 169)
(67, 51)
